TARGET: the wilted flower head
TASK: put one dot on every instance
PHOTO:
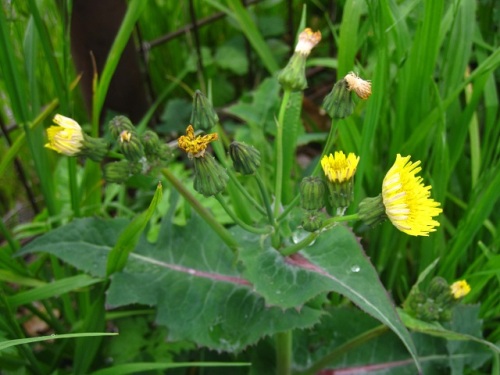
(362, 88)
(195, 146)
(308, 39)
(460, 289)
(65, 138)
(407, 201)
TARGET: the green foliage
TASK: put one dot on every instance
(183, 275)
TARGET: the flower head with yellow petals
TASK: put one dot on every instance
(66, 137)
(195, 146)
(338, 167)
(460, 289)
(407, 201)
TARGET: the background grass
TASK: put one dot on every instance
(434, 70)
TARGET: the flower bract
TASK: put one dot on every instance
(66, 137)
(407, 201)
(195, 146)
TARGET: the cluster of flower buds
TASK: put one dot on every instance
(140, 153)
(312, 200)
(437, 301)
(338, 103)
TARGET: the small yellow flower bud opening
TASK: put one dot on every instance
(65, 138)
(195, 146)
(338, 167)
(125, 136)
(460, 289)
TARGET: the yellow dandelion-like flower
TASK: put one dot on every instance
(338, 167)
(195, 146)
(460, 289)
(362, 88)
(407, 201)
(65, 138)
(308, 39)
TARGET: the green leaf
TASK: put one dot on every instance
(53, 289)
(130, 236)
(134, 368)
(232, 58)
(335, 262)
(189, 275)
(8, 344)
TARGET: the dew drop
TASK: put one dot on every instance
(355, 268)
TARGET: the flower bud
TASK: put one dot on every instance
(118, 171)
(313, 221)
(246, 158)
(372, 211)
(151, 143)
(118, 124)
(312, 193)
(165, 153)
(94, 148)
(210, 177)
(338, 103)
(203, 116)
(131, 146)
(437, 287)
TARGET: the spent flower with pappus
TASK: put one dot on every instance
(203, 116)
(338, 103)
(293, 76)
(68, 138)
(339, 170)
(195, 146)
(460, 289)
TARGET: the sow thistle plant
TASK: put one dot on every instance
(260, 276)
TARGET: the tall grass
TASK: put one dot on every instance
(434, 70)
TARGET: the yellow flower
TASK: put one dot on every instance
(125, 136)
(407, 201)
(65, 138)
(460, 289)
(195, 146)
(308, 39)
(340, 168)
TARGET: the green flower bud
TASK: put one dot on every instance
(118, 124)
(94, 148)
(313, 221)
(118, 171)
(203, 116)
(312, 193)
(338, 103)
(165, 152)
(437, 287)
(131, 146)
(246, 158)
(210, 177)
(372, 211)
(429, 311)
(151, 142)
(293, 77)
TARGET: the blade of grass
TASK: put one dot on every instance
(134, 368)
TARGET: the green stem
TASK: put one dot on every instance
(265, 199)
(115, 155)
(283, 353)
(300, 245)
(288, 208)
(237, 220)
(329, 143)
(73, 187)
(339, 219)
(341, 350)
(279, 152)
(202, 211)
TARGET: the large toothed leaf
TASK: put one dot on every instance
(335, 262)
(189, 274)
